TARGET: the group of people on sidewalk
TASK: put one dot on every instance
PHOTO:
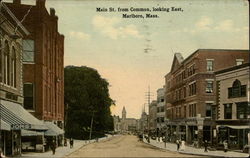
(180, 145)
(53, 145)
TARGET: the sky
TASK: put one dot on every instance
(134, 54)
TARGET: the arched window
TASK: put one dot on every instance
(13, 67)
(237, 90)
(6, 62)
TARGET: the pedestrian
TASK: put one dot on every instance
(178, 144)
(71, 143)
(53, 147)
(182, 145)
(205, 145)
(225, 145)
(65, 142)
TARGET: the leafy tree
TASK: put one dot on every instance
(86, 96)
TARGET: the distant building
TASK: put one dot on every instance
(191, 93)
(161, 115)
(143, 123)
(152, 116)
(233, 106)
(125, 124)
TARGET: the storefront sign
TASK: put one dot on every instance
(20, 126)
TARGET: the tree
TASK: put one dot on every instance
(86, 95)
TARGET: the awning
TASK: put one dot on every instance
(53, 130)
(234, 127)
(4, 125)
(18, 118)
(31, 133)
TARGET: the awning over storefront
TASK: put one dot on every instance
(234, 127)
(31, 133)
(4, 125)
(18, 118)
(53, 130)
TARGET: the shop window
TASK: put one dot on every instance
(237, 90)
(28, 50)
(209, 87)
(227, 111)
(208, 109)
(243, 110)
(28, 92)
(210, 65)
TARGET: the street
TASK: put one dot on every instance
(123, 146)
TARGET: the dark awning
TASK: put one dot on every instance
(53, 130)
(18, 118)
(31, 133)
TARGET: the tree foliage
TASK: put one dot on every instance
(86, 95)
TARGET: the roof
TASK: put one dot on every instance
(53, 130)
(232, 68)
(12, 17)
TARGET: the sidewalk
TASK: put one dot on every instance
(61, 151)
(195, 151)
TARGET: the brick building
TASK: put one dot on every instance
(191, 93)
(43, 66)
(233, 113)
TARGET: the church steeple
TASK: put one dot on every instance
(123, 113)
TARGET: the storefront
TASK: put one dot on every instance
(236, 136)
(15, 117)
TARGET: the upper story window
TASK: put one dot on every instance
(192, 89)
(209, 87)
(227, 111)
(243, 110)
(239, 61)
(191, 70)
(208, 109)
(210, 64)
(28, 50)
(237, 90)
(1, 62)
(28, 92)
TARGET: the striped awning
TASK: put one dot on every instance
(53, 130)
(4, 126)
(18, 118)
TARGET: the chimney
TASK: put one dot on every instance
(16, 1)
(52, 12)
(40, 3)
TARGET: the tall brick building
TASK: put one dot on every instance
(43, 66)
(191, 93)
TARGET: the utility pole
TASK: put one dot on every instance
(91, 124)
(148, 96)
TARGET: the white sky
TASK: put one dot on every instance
(115, 46)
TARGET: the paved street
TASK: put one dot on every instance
(123, 146)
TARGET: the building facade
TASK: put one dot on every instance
(43, 53)
(13, 117)
(191, 93)
(160, 110)
(233, 106)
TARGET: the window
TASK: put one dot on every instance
(185, 112)
(13, 67)
(1, 62)
(208, 109)
(239, 61)
(237, 90)
(227, 111)
(210, 65)
(28, 92)
(6, 62)
(243, 110)
(209, 87)
(28, 50)
(192, 89)
(192, 110)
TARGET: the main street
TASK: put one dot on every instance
(123, 146)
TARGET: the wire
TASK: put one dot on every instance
(24, 17)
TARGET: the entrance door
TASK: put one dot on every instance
(8, 143)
